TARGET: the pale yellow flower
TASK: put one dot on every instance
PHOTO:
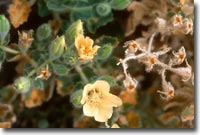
(98, 102)
(84, 46)
(115, 126)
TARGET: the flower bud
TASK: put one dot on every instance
(22, 84)
(4, 28)
(103, 9)
(43, 32)
(74, 30)
(75, 98)
(57, 47)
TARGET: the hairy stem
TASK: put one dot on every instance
(80, 71)
(9, 50)
(34, 70)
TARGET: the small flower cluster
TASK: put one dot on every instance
(177, 24)
(150, 59)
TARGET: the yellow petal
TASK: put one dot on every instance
(86, 89)
(79, 40)
(89, 42)
(90, 109)
(115, 126)
(94, 49)
(112, 100)
(102, 86)
(104, 113)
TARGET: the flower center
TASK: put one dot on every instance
(95, 96)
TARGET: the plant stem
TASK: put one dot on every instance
(80, 71)
(106, 124)
(150, 42)
(9, 50)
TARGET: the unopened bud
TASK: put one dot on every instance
(57, 47)
(22, 84)
(43, 32)
(74, 30)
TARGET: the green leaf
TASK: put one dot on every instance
(2, 56)
(90, 17)
(119, 4)
(107, 40)
(4, 28)
(60, 69)
(182, 14)
(60, 5)
(104, 51)
(76, 97)
(43, 123)
(7, 94)
(43, 11)
(103, 9)
(43, 32)
(170, 14)
(38, 84)
(109, 79)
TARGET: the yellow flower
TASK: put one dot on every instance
(98, 102)
(84, 46)
(115, 126)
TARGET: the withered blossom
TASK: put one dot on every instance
(184, 72)
(19, 11)
(130, 83)
(25, 38)
(149, 60)
(168, 89)
(187, 27)
(44, 73)
(177, 20)
(182, 2)
(98, 102)
(35, 99)
(132, 45)
(179, 56)
(188, 113)
(161, 23)
(85, 48)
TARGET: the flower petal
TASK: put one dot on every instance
(102, 86)
(89, 42)
(112, 100)
(90, 109)
(86, 89)
(104, 113)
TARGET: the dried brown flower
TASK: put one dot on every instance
(19, 11)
